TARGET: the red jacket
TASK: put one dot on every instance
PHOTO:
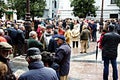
(2, 39)
(100, 40)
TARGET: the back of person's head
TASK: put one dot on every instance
(111, 27)
(104, 30)
(84, 27)
(47, 58)
(8, 25)
(55, 32)
(33, 54)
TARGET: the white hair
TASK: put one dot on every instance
(1, 32)
(8, 25)
(32, 33)
(38, 57)
(21, 26)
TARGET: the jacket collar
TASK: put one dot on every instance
(36, 65)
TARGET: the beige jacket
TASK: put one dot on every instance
(75, 34)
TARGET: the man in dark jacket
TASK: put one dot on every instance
(21, 40)
(62, 57)
(52, 43)
(109, 52)
(37, 71)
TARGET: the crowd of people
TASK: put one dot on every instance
(56, 37)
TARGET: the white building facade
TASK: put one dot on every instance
(51, 8)
(63, 9)
(110, 10)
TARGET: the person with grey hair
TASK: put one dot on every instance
(33, 42)
(37, 70)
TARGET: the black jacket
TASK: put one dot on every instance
(109, 44)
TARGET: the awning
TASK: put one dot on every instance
(9, 12)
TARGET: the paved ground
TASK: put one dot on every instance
(86, 67)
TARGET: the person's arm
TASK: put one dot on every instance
(59, 56)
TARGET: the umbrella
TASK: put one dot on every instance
(96, 51)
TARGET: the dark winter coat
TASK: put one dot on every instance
(62, 57)
(109, 44)
(37, 71)
(52, 44)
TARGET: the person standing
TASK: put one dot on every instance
(75, 36)
(84, 37)
(62, 57)
(118, 27)
(109, 45)
(33, 41)
(68, 35)
(5, 70)
(52, 43)
(37, 71)
(21, 40)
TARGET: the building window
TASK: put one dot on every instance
(114, 16)
(113, 1)
(55, 4)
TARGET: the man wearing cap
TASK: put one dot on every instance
(5, 71)
(62, 57)
(37, 71)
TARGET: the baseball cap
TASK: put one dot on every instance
(5, 46)
(59, 37)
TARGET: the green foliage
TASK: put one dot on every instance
(83, 8)
(118, 3)
(36, 8)
(3, 6)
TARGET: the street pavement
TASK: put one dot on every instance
(84, 66)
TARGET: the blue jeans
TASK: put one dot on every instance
(106, 68)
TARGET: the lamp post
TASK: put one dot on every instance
(27, 19)
(101, 19)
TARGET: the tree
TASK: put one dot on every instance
(118, 4)
(36, 8)
(83, 8)
(3, 7)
